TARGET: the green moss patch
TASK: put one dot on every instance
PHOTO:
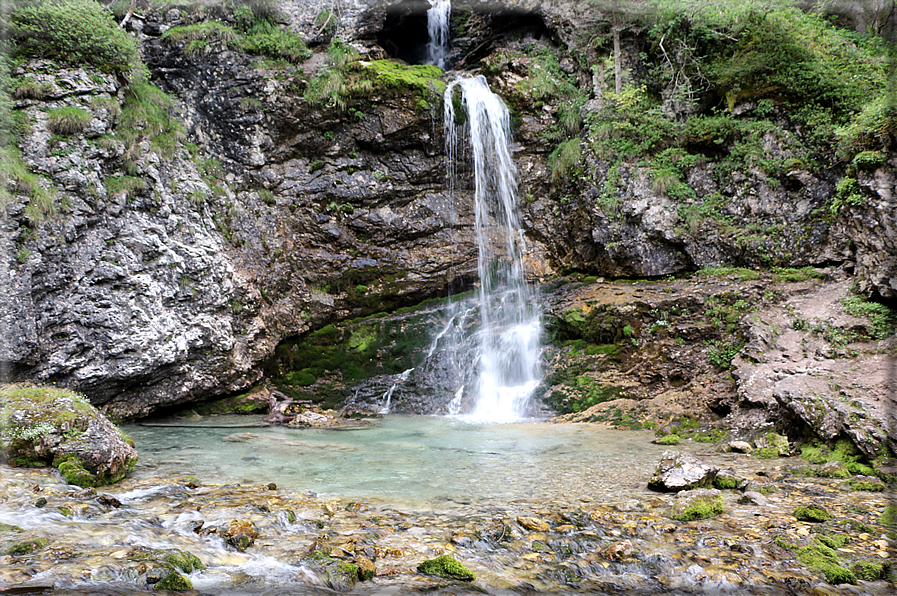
(175, 582)
(25, 547)
(812, 513)
(447, 567)
(821, 559)
(869, 570)
(419, 78)
(700, 506)
(671, 439)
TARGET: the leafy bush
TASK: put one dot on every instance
(72, 31)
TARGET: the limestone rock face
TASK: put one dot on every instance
(679, 470)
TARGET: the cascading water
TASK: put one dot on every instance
(509, 333)
(438, 28)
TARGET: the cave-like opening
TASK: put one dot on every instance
(474, 33)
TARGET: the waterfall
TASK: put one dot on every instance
(438, 28)
(509, 332)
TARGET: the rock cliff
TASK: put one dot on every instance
(178, 252)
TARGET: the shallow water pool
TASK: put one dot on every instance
(426, 462)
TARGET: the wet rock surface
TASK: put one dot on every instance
(309, 545)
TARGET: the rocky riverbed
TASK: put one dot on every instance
(253, 539)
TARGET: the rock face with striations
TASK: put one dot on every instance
(169, 270)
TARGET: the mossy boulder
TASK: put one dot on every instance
(447, 567)
(43, 426)
(174, 582)
(812, 513)
(822, 559)
(671, 439)
(697, 504)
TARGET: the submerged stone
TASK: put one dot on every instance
(447, 567)
(533, 524)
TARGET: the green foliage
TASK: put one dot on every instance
(847, 192)
(146, 113)
(873, 129)
(73, 32)
(882, 319)
(447, 567)
(629, 126)
(798, 58)
(721, 352)
(564, 162)
(868, 160)
(126, 184)
(68, 121)
(671, 439)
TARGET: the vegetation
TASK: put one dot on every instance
(256, 32)
(73, 32)
(447, 567)
(347, 78)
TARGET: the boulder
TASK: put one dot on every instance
(42, 426)
(679, 470)
(697, 504)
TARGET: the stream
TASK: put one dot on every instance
(406, 489)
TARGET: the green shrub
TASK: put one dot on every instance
(874, 129)
(267, 39)
(74, 32)
(68, 121)
(564, 161)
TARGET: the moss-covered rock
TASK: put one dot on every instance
(821, 559)
(697, 504)
(812, 513)
(52, 426)
(25, 547)
(888, 517)
(671, 439)
(447, 567)
(868, 570)
(240, 534)
(174, 582)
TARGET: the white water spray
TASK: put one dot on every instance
(438, 28)
(509, 334)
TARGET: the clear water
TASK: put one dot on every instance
(416, 462)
